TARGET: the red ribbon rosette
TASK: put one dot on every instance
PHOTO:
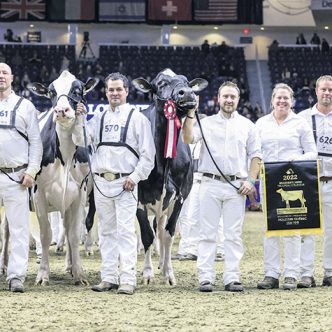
(173, 124)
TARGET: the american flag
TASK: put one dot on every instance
(215, 10)
(22, 10)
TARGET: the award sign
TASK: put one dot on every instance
(292, 198)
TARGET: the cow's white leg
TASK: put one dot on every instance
(167, 269)
(73, 219)
(45, 239)
(160, 231)
(5, 243)
(148, 273)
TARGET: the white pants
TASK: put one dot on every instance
(308, 245)
(272, 256)
(117, 238)
(219, 199)
(15, 200)
(189, 224)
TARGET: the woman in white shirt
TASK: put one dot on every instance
(284, 137)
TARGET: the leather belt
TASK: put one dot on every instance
(13, 169)
(325, 178)
(112, 176)
(220, 178)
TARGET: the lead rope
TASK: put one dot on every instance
(207, 148)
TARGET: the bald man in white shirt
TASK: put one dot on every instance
(20, 157)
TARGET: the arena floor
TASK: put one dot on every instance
(65, 307)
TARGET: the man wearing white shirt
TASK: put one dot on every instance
(124, 156)
(20, 157)
(319, 118)
(232, 140)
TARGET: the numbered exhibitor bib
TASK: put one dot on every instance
(292, 198)
(8, 116)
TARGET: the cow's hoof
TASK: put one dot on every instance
(45, 283)
(147, 281)
(170, 281)
(82, 282)
(42, 282)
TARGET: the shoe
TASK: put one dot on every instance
(16, 286)
(219, 257)
(188, 257)
(104, 286)
(306, 282)
(234, 286)
(289, 283)
(126, 289)
(268, 283)
(327, 281)
(205, 287)
(178, 257)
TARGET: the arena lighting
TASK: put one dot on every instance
(175, 27)
(31, 26)
(326, 27)
(262, 28)
(215, 28)
(246, 31)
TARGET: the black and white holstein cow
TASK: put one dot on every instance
(61, 184)
(171, 179)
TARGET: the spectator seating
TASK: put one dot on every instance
(299, 67)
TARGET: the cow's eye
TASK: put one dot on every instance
(161, 84)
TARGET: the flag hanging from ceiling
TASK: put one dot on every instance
(14, 10)
(122, 10)
(215, 10)
(170, 10)
(71, 10)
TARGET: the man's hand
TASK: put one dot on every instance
(27, 180)
(80, 109)
(129, 184)
(246, 188)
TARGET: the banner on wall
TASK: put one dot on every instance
(292, 198)
(12, 10)
(71, 10)
(121, 11)
(164, 10)
(215, 10)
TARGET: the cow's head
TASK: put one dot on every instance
(167, 85)
(65, 93)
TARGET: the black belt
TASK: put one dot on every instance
(13, 169)
(220, 178)
(112, 175)
(325, 178)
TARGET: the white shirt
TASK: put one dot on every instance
(324, 137)
(232, 143)
(119, 159)
(290, 140)
(14, 149)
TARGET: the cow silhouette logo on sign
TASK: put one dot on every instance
(292, 195)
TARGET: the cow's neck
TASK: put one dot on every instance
(66, 144)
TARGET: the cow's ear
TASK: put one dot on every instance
(198, 84)
(89, 85)
(142, 85)
(39, 89)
